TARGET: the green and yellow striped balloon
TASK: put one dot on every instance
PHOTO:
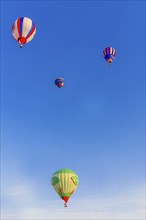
(64, 182)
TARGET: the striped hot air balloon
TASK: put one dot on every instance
(23, 30)
(109, 54)
(64, 182)
(59, 82)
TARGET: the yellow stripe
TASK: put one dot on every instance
(111, 50)
(65, 183)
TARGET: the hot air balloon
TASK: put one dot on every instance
(64, 182)
(23, 30)
(59, 82)
(109, 54)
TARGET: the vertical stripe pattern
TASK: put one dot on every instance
(109, 54)
(23, 30)
(64, 182)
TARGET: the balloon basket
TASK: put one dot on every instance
(65, 205)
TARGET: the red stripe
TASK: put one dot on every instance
(13, 27)
(65, 198)
(18, 26)
(31, 32)
(107, 50)
(73, 181)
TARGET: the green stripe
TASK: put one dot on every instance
(64, 171)
(65, 194)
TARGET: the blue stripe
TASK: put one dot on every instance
(59, 81)
(108, 56)
(21, 25)
(32, 26)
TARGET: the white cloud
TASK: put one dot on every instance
(22, 202)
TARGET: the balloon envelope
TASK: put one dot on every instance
(109, 54)
(23, 30)
(59, 82)
(64, 182)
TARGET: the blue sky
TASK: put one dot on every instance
(94, 125)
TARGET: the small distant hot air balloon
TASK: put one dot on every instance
(109, 54)
(23, 30)
(59, 82)
(64, 182)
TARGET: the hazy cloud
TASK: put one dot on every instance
(22, 202)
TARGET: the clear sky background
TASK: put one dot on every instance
(94, 125)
